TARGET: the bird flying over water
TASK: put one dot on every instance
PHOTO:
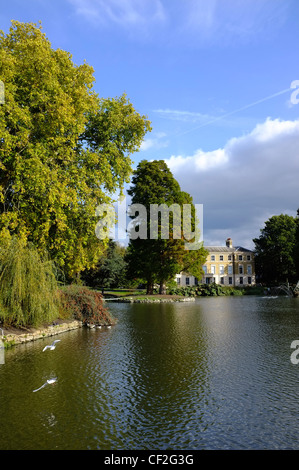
(49, 381)
(51, 346)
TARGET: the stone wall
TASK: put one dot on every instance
(11, 339)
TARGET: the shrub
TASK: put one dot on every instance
(84, 304)
(28, 288)
(204, 290)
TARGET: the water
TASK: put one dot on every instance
(213, 374)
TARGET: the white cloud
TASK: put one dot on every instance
(241, 185)
(274, 129)
(197, 22)
(181, 115)
(223, 21)
(156, 142)
(125, 13)
(199, 161)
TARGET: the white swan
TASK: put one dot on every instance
(49, 381)
(51, 346)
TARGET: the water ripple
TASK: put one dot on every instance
(215, 374)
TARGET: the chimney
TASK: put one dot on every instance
(229, 243)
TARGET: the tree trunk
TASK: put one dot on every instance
(162, 289)
(149, 287)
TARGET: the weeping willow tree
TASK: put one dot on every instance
(28, 287)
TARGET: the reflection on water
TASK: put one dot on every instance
(213, 374)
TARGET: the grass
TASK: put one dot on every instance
(122, 292)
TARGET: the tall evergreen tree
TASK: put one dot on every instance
(110, 270)
(156, 254)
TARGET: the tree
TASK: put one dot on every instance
(153, 255)
(28, 286)
(110, 270)
(63, 149)
(275, 249)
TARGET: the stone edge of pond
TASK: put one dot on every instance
(11, 339)
(147, 300)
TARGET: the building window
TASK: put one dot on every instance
(196, 281)
(178, 280)
(229, 257)
(187, 281)
(249, 269)
(204, 269)
(207, 280)
(221, 269)
(249, 280)
(230, 269)
(240, 258)
(212, 257)
(230, 280)
(241, 280)
(248, 257)
(222, 280)
(240, 269)
(221, 257)
(213, 269)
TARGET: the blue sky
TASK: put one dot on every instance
(214, 78)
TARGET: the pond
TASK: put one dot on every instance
(211, 374)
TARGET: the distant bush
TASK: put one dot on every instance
(204, 290)
(84, 304)
(254, 290)
(28, 287)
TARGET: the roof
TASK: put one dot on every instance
(227, 249)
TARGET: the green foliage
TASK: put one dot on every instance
(274, 257)
(84, 305)
(63, 149)
(205, 290)
(110, 271)
(28, 288)
(152, 256)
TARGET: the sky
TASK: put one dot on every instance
(219, 81)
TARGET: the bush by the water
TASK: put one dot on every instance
(84, 304)
(204, 290)
(28, 287)
(30, 296)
